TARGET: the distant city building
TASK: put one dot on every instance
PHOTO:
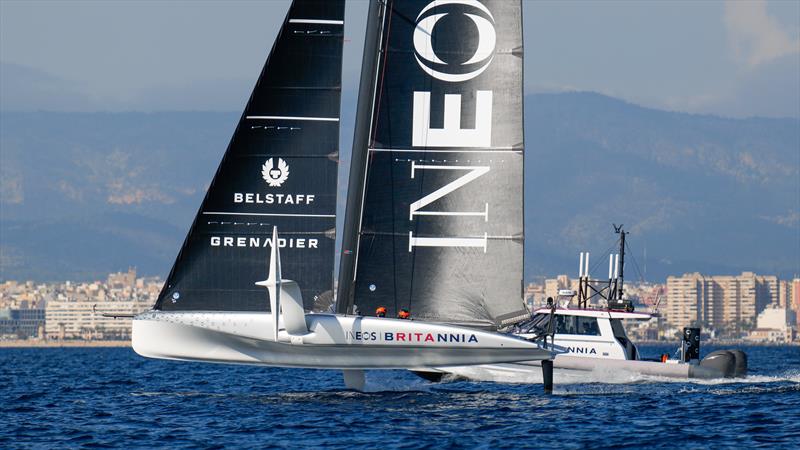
(686, 300)
(553, 285)
(66, 310)
(25, 295)
(785, 294)
(534, 295)
(775, 324)
(648, 295)
(83, 320)
(796, 298)
(21, 323)
(122, 279)
(722, 302)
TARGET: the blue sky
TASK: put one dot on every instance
(734, 59)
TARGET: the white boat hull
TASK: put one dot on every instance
(333, 342)
(575, 369)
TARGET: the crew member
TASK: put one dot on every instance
(404, 314)
(380, 312)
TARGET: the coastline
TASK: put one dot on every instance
(32, 343)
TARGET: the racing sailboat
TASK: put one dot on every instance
(270, 210)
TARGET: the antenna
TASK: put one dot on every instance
(645, 263)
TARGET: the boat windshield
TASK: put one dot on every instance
(577, 325)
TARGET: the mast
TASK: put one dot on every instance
(358, 158)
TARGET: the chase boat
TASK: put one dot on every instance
(593, 339)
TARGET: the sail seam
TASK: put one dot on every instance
(324, 119)
(221, 213)
(303, 88)
(422, 150)
(318, 21)
(386, 233)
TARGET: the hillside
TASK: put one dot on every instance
(698, 192)
(82, 194)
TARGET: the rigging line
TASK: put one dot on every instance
(599, 261)
(408, 19)
(385, 51)
(635, 264)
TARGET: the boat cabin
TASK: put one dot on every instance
(585, 332)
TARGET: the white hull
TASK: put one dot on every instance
(576, 369)
(332, 341)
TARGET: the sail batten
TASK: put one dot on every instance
(449, 150)
(436, 216)
(276, 171)
(290, 118)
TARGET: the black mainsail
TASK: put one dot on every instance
(434, 219)
(279, 170)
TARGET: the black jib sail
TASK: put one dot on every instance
(434, 213)
(279, 170)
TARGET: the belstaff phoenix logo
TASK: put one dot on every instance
(426, 56)
(275, 176)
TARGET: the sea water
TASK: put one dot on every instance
(111, 397)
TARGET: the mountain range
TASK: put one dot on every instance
(84, 194)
